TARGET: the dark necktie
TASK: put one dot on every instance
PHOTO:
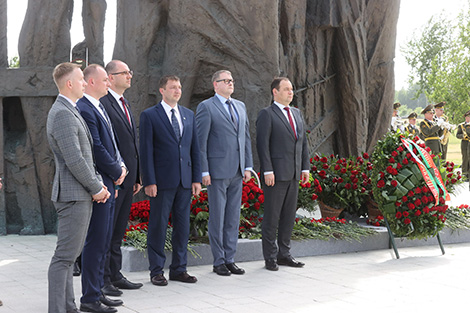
(175, 124)
(232, 114)
(110, 127)
(291, 122)
(125, 109)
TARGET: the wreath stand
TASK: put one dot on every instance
(392, 244)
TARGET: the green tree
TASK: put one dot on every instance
(439, 58)
(14, 62)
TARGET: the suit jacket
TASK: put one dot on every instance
(107, 157)
(223, 150)
(75, 176)
(278, 149)
(165, 160)
(126, 137)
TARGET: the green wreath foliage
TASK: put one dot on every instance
(401, 192)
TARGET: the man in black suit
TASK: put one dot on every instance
(125, 131)
(283, 153)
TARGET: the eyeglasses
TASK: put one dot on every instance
(226, 81)
(124, 72)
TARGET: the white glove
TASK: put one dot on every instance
(440, 122)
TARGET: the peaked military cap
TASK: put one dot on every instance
(440, 104)
(396, 105)
(412, 115)
(427, 109)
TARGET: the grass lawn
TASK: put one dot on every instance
(453, 150)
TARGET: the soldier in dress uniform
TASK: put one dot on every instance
(412, 128)
(463, 133)
(431, 131)
(396, 122)
(441, 119)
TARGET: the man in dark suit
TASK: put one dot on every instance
(76, 184)
(283, 154)
(125, 131)
(171, 171)
(224, 137)
(113, 170)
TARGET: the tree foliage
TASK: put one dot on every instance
(439, 58)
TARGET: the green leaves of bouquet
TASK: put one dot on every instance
(401, 191)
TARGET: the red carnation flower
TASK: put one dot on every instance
(417, 213)
(411, 206)
(324, 160)
(394, 183)
(406, 221)
(405, 213)
(365, 155)
(404, 199)
(380, 183)
(394, 153)
(398, 215)
(347, 186)
(314, 197)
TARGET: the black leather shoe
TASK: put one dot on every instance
(290, 261)
(110, 302)
(159, 280)
(271, 265)
(76, 269)
(123, 283)
(96, 307)
(74, 311)
(184, 277)
(222, 270)
(234, 269)
(111, 290)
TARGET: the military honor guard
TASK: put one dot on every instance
(463, 133)
(396, 122)
(441, 119)
(431, 131)
(412, 128)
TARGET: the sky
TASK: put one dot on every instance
(414, 14)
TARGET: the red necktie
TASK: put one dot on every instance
(291, 122)
(125, 109)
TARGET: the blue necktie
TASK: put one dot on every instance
(174, 123)
(232, 114)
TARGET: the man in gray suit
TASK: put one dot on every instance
(76, 184)
(283, 154)
(225, 144)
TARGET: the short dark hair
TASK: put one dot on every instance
(164, 80)
(216, 75)
(277, 82)
(62, 70)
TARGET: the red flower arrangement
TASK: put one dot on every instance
(401, 191)
(341, 182)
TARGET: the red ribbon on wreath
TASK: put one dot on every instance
(434, 182)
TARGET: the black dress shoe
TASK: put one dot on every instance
(159, 280)
(234, 269)
(110, 302)
(111, 290)
(74, 311)
(290, 261)
(184, 277)
(222, 270)
(123, 283)
(271, 265)
(96, 307)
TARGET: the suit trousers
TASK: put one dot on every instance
(176, 201)
(73, 219)
(224, 217)
(112, 271)
(96, 246)
(280, 206)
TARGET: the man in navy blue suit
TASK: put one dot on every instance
(113, 170)
(171, 171)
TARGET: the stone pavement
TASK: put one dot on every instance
(422, 280)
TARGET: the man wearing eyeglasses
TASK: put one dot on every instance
(226, 160)
(124, 127)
